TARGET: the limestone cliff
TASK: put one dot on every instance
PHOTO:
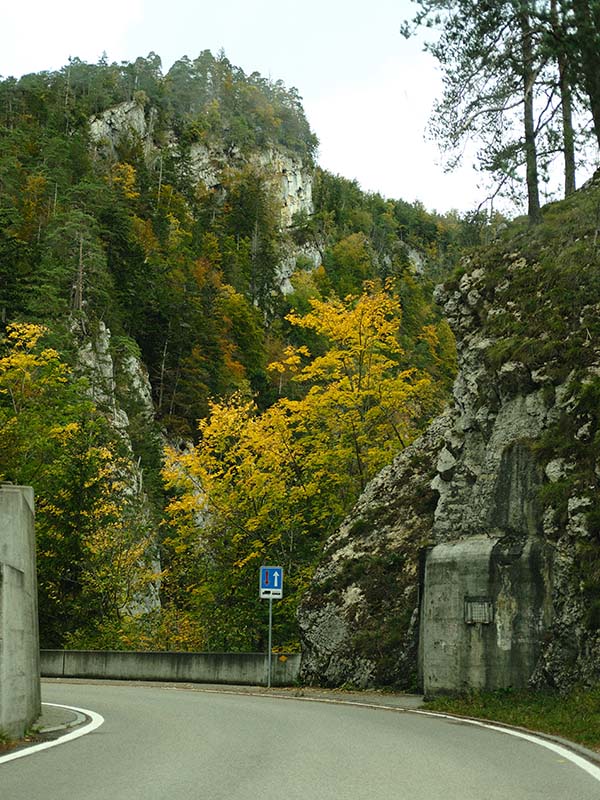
(205, 162)
(120, 389)
(359, 621)
(514, 462)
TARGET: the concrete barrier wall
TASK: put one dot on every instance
(224, 668)
(19, 637)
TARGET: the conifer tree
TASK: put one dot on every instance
(586, 16)
(508, 70)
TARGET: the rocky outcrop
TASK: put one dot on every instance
(126, 120)
(309, 256)
(205, 163)
(104, 372)
(96, 363)
(513, 462)
(116, 382)
(292, 182)
(359, 621)
(487, 474)
(290, 179)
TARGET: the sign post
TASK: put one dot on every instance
(270, 587)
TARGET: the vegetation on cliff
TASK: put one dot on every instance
(122, 234)
(544, 292)
(515, 456)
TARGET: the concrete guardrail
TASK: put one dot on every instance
(225, 668)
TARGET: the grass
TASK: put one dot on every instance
(575, 716)
(6, 743)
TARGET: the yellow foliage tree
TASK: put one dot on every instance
(362, 405)
(95, 554)
(269, 487)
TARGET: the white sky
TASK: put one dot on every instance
(367, 92)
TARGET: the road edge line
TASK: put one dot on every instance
(580, 761)
(95, 721)
(539, 739)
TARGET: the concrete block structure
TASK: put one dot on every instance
(19, 637)
(485, 608)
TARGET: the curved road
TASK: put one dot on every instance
(176, 744)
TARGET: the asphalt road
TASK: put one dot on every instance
(174, 744)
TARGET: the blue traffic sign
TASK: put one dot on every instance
(271, 582)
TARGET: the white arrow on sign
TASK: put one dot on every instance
(271, 583)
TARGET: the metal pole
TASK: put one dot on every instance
(270, 642)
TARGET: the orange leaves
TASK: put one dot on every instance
(205, 274)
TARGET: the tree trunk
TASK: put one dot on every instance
(533, 195)
(566, 101)
(588, 36)
(78, 288)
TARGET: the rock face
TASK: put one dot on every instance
(109, 127)
(111, 377)
(113, 383)
(291, 179)
(293, 183)
(489, 519)
(359, 620)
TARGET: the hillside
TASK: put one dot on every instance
(162, 237)
(499, 495)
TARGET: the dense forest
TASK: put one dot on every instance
(288, 361)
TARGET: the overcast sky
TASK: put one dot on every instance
(367, 92)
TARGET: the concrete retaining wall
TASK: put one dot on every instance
(19, 637)
(226, 668)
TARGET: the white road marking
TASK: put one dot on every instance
(95, 721)
(564, 752)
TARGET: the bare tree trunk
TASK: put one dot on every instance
(533, 195)
(566, 102)
(78, 292)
